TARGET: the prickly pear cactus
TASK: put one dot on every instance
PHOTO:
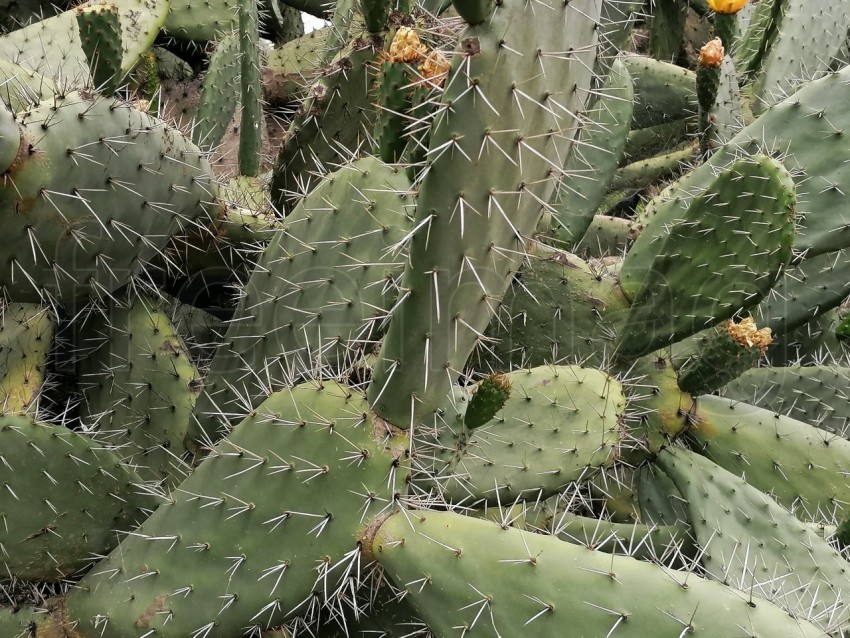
(301, 401)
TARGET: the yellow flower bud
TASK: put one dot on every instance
(727, 6)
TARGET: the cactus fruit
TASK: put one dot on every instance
(724, 355)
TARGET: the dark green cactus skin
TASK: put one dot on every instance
(66, 498)
(720, 360)
(95, 242)
(280, 22)
(473, 11)
(250, 130)
(490, 396)
(667, 29)
(812, 149)
(469, 573)
(394, 97)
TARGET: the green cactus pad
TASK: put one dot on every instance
(561, 424)
(559, 309)
(65, 499)
(660, 501)
(664, 544)
(752, 543)
(591, 167)
(806, 291)
(702, 259)
(663, 92)
(468, 575)
(489, 172)
(812, 149)
(80, 216)
(818, 395)
(266, 527)
(206, 20)
(139, 386)
(320, 291)
(21, 89)
(221, 94)
(805, 469)
(808, 37)
(52, 47)
(290, 66)
(335, 120)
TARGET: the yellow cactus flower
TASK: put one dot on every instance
(727, 6)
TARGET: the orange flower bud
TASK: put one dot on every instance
(711, 55)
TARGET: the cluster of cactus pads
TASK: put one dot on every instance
(469, 318)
